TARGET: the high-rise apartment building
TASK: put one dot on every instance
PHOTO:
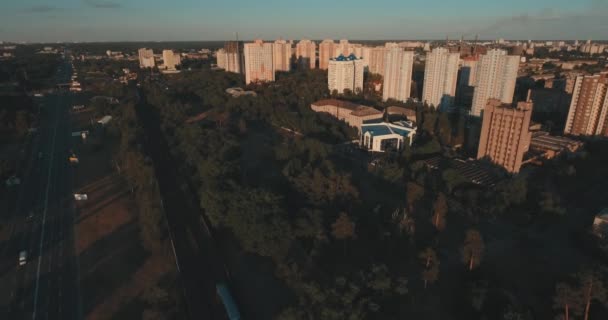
(306, 54)
(221, 58)
(468, 72)
(398, 65)
(505, 135)
(281, 55)
(326, 52)
(496, 76)
(343, 48)
(345, 73)
(235, 58)
(171, 59)
(440, 76)
(588, 113)
(146, 58)
(259, 65)
(376, 60)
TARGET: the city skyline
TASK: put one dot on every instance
(189, 20)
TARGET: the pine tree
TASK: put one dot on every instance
(472, 250)
(440, 210)
(343, 229)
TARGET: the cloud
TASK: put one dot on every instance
(103, 4)
(41, 9)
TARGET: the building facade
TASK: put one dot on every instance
(306, 54)
(281, 55)
(440, 76)
(146, 58)
(353, 114)
(588, 114)
(259, 64)
(326, 52)
(397, 74)
(495, 79)
(171, 59)
(386, 136)
(345, 73)
(235, 59)
(505, 135)
(376, 60)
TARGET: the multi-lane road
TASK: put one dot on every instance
(47, 286)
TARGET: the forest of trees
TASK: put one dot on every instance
(404, 241)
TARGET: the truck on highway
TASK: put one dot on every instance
(228, 302)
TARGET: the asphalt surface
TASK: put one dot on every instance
(47, 287)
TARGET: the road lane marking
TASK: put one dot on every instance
(46, 203)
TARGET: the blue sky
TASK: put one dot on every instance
(173, 20)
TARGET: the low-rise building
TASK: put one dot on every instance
(386, 136)
(552, 146)
(353, 114)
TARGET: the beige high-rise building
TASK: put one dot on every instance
(588, 113)
(235, 60)
(365, 55)
(171, 59)
(222, 58)
(259, 65)
(496, 76)
(281, 55)
(440, 76)
(343, 48)
(398, 65)
(376, 60)
(306, 54)
(146, 58)
(345, 73)
(468, 71)
(326, 52)
(505, 135)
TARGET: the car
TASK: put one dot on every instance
(22, 257)
(80, 196)
(13, 181)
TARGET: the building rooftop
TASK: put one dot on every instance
(542, 140)
(357, 109)
(401, 128)
(341, 57)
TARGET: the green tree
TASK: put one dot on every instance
(414, 192)
(473, 248)
(430, 261)
(592, 286)
(440, 209)
(565, 299)
(343, 228)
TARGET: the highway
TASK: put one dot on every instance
(47, 287)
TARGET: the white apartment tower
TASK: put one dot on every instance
(281, 55)
(222, 58)
(397, 73)
(345, 73)
(259, 64)
(306, 54)
(171, 59)
(496, 76)
(440, 76)
(326, 52)
(146, 58)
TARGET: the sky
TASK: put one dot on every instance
(207, 20)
